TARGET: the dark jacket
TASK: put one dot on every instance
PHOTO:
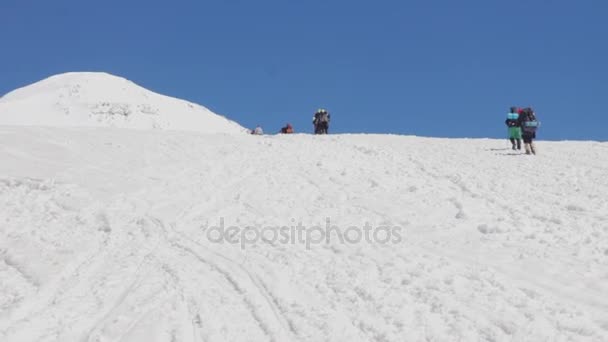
(512, 123)
(523, 118)
(317, 119)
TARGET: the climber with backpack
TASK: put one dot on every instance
(529, 125)
(512, 123)
(321, 121)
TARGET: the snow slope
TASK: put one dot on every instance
(105, 236)
(100, 99)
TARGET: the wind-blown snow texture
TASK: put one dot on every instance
(100, 99)
(104, 237)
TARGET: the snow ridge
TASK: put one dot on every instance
(105, 235)
(101, 99)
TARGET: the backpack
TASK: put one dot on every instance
(530, 126)
(529, 123)
(323, 117)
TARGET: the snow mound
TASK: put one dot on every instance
(115, 235)
(101, 99)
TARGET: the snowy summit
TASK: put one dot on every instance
(100, 99)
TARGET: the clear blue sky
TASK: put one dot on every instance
(435, 68)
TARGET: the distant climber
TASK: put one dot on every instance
(257, 130)
(288, 129)
(321, 121)
(513, 124)
(529, 124)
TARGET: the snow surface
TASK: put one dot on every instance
(105, 236)
(100, 99)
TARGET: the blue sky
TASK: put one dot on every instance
(423, 67)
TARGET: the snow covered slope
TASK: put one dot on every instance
(100, 99)
(113, 235)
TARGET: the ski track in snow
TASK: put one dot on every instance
(103, 237)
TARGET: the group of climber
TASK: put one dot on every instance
(320, 122)
(522, 124)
